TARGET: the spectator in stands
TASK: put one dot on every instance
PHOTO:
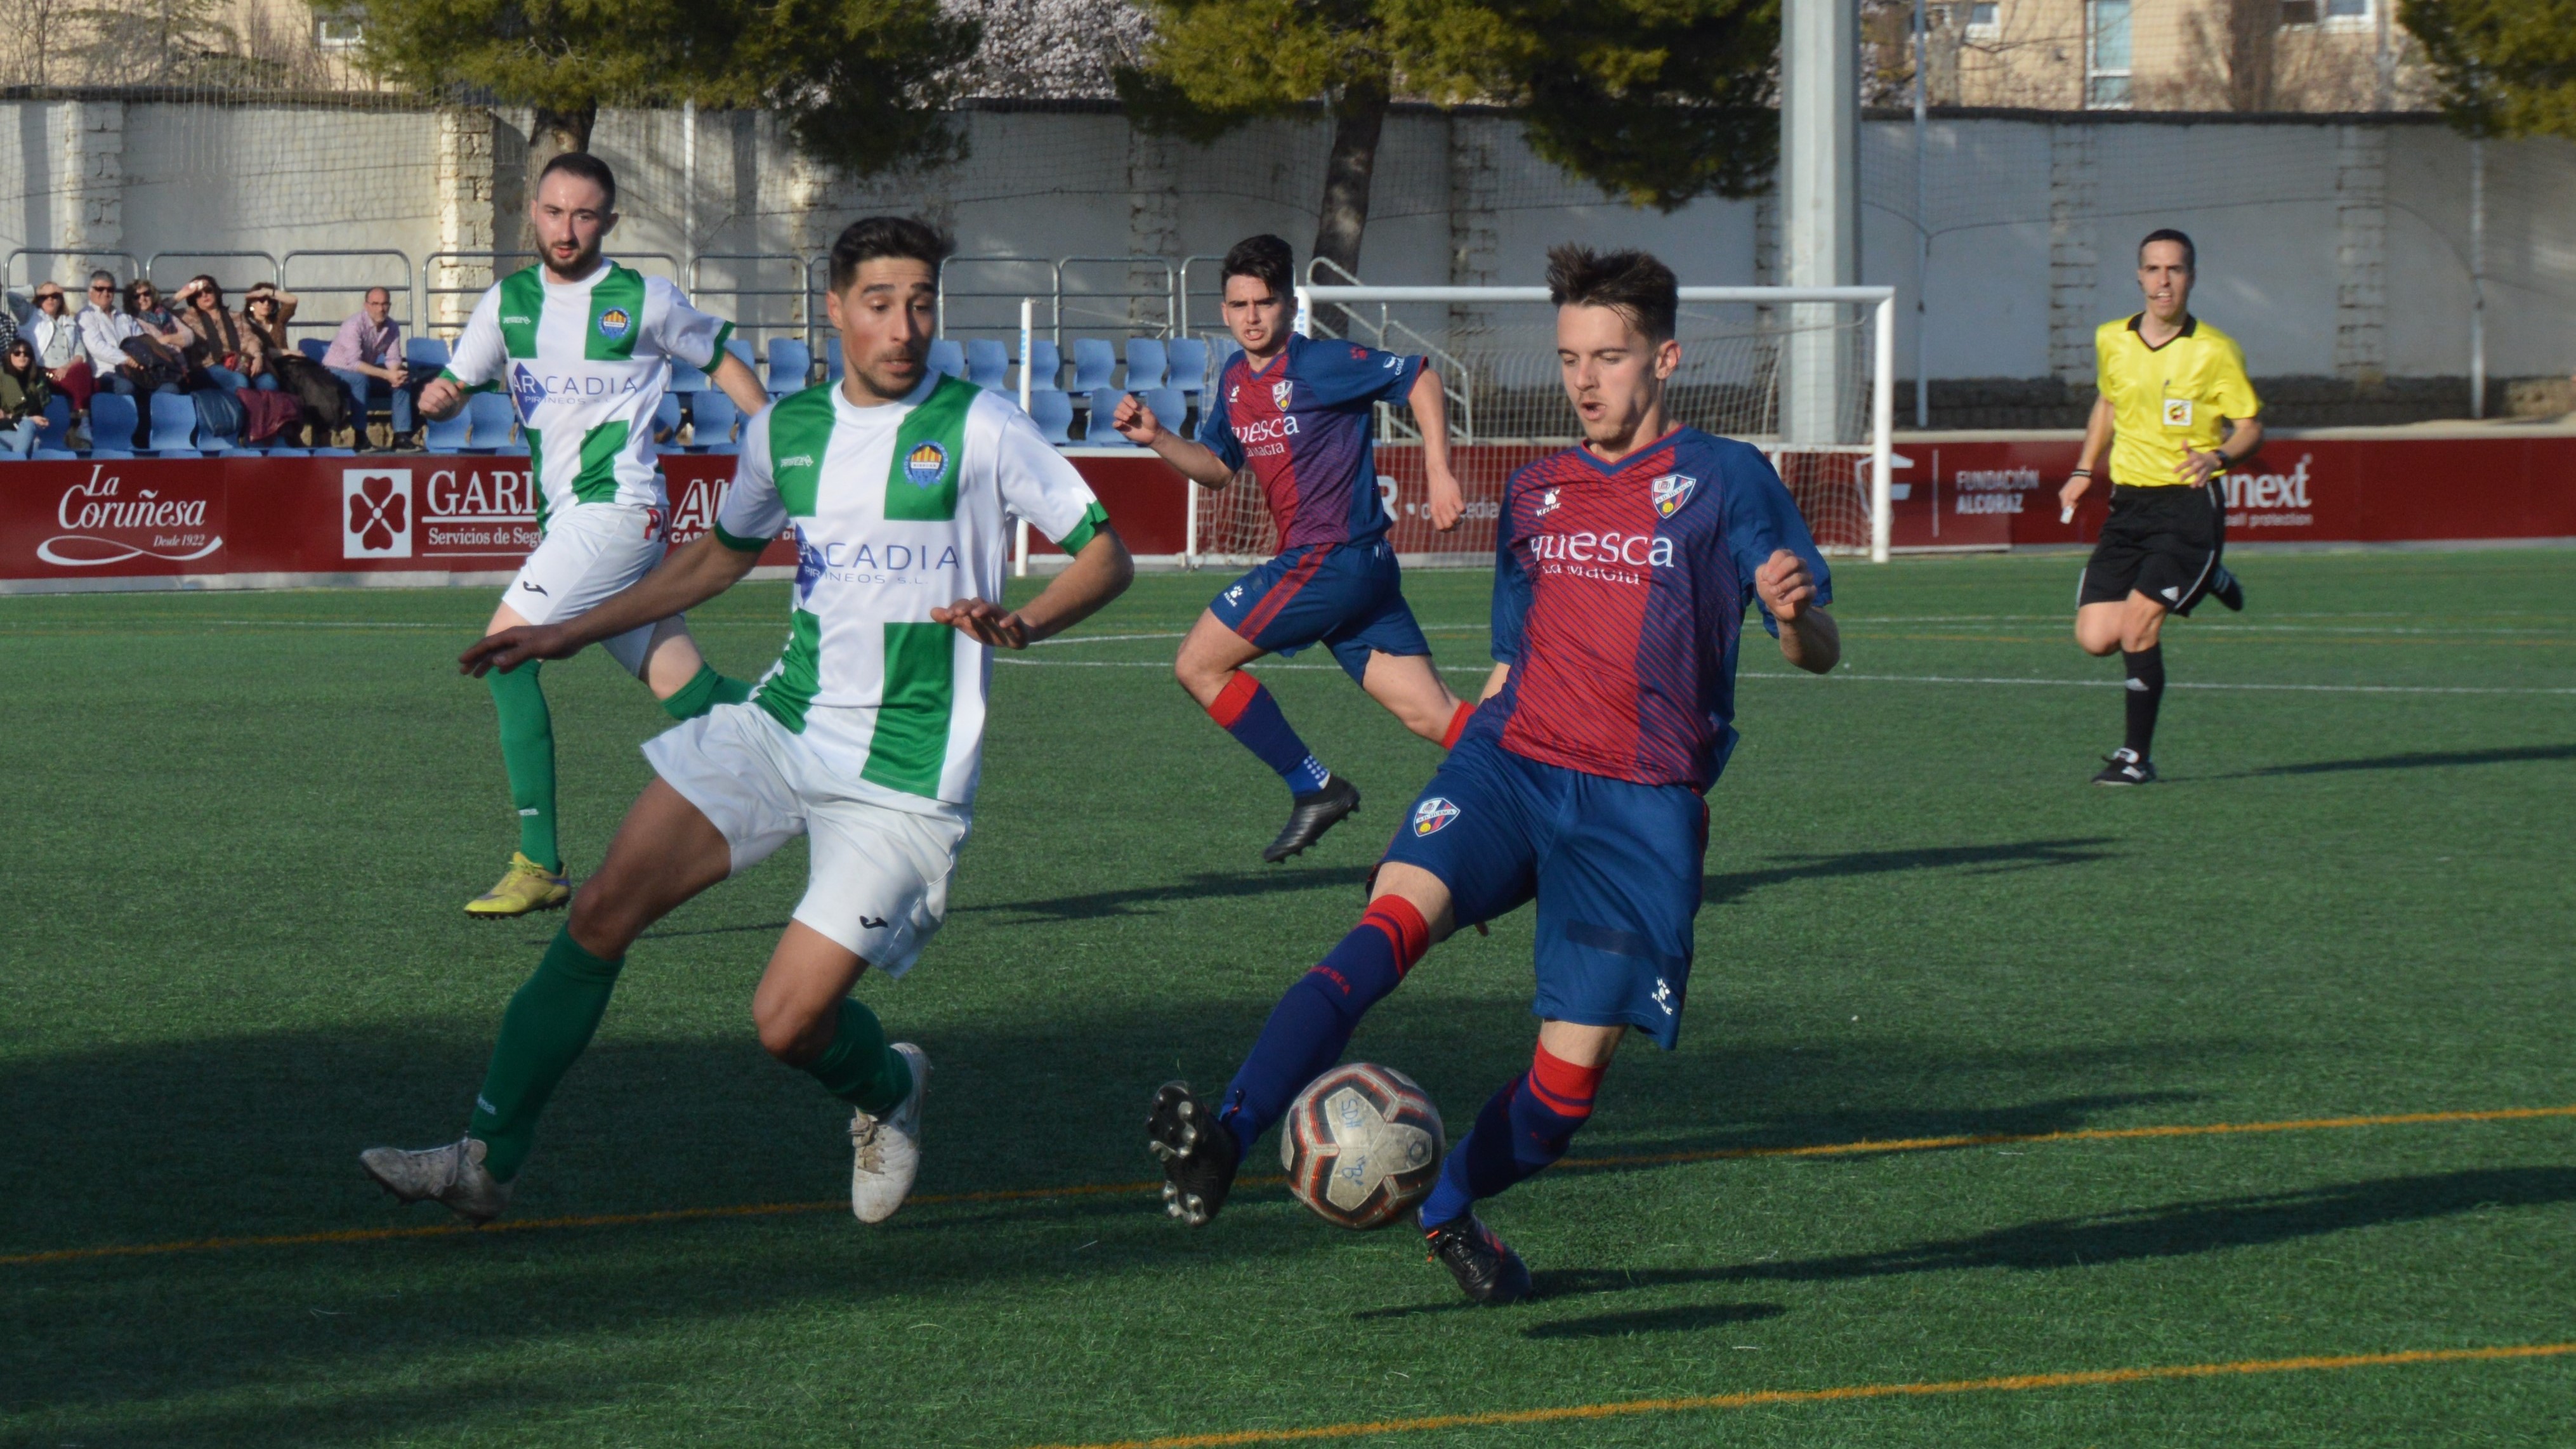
(158, 346)
(368, 356)
(24, 391)
(104, 331)
(8, 318)
(325, 405)
(235, 356)
(57, 342)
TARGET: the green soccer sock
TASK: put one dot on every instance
(859, 1068)
(703, 692)
(548, 1024)
(528, 753)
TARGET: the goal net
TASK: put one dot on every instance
(1802, 373)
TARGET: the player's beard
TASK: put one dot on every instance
(893, 374)
(582, 264)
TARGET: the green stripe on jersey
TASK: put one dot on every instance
(910, 745)
(616, 316)
(800, 430)
(1081, 534)
(536, 443)
(523, 304)
(790, 688)
(922, 484)
(597, 480)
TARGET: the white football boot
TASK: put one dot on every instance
(453, 1175)
(886, 1152)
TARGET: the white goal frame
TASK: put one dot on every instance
(1882, 403)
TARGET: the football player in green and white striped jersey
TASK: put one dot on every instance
(583, 348)
(866, 736)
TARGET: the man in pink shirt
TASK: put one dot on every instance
(367, 355)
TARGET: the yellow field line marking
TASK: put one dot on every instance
(2011, 1383)
(1100, 1189)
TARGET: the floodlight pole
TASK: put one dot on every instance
(1820, 220)
(1922, 228)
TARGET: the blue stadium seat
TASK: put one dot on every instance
(447, 435)
(947, 356)
(1188, 357)
(57, 432)
(1171, 408)
(832, 358)
(174, 423)
(314, 347)
(1052, 410)
(685, 378)
(1145, 364)
(988, 364)
(666, 419)
(742, 349)
(288, 453)
(425, 354)
(112, 421)
(1044, 365)
(1097, 433)
(712, 416)
(791, 366)
(1093, 361)
(488, 416)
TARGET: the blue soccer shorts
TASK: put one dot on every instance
(1348, 597)
(1614, 866)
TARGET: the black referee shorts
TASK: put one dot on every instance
(2161, 542)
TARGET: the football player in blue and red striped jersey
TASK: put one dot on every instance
(1300, 413)
(1623, 573)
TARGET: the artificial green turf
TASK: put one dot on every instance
(241, 827)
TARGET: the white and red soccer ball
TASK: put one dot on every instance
(1362, 1145)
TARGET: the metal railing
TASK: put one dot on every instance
(1070, 306)
(152, 267)
(1388, 334)
(89, 258)
(802, 311)
(1041, 278)
(400, 291)
(431, 291)
(1181, 294)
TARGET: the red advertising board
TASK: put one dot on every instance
(124, 523)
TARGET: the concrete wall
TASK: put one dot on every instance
(2333, 249)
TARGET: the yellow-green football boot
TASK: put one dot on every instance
(526, 886)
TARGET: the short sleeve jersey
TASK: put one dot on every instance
(2168, 399)
(897, 510)
(1307, 425)
(585, 365)
(1619, 599)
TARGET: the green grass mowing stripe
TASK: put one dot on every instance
(1028, 1194)
(2009, 1383)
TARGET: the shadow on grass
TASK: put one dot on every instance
(1687, 1319)
(1986, 860)
(1205, 885)
(2424, 760)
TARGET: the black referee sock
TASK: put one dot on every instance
(2146, 678)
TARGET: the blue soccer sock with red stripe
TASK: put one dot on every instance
(1248, 713)
(1313, 1022)
(1522, 1129)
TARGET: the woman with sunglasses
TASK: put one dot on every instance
(24, 391)
(55, 336)
(322, 405)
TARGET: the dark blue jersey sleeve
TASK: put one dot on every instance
(1338, 374)
(1511, 585)
(1216, 430)
(1761, 518)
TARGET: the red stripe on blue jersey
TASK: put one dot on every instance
(1619, 599)
(1306, 426)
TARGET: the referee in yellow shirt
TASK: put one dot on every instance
(2170, 385)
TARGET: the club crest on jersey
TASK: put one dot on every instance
(1279, 393)
(1432, 814)
(526, 393)
(1671, 491)
(925, 465)
(615, 323)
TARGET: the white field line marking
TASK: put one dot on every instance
(1880, 678)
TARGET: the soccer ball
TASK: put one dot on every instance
(1362, 1145)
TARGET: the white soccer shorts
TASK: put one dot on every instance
(877, 877)
(590, 552)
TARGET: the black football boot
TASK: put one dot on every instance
(2227, 590)
(1310, 815)
(1197, 1152)
(1487, 1270)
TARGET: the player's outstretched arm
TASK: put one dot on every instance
(1808, 638)
(1196, 461)
(1101, 572)
(2097, 437)
(736, 378)
(693, 574)
(440, 399)
(1431, 414)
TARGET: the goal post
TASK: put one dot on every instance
(1495, 350)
